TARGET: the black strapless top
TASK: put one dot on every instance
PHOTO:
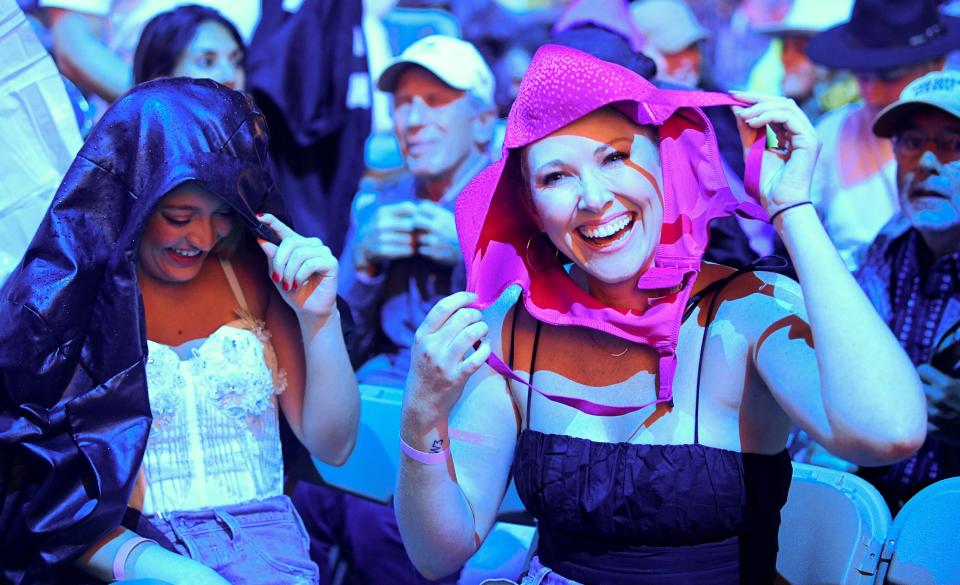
(631, 514)
(652, 514)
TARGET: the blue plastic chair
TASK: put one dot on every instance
(922, 545)
(832, 528)
(405, 26)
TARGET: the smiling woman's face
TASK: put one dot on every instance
(596, 193)
(187, 224)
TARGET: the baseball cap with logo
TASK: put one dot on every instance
(939, 89)
(456, 62)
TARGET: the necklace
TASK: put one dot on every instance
(598, 342)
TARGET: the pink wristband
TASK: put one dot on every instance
(422, 457)
(123, 554)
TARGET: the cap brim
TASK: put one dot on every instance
(891, 116)
(391, 75)
(832, 48)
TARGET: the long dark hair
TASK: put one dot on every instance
(167, 35)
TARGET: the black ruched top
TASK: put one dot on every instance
(636, 514)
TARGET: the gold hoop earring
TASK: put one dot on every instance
(526, 254)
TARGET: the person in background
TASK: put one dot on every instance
(174, 339)
(307, 70)
(887, 44)
(734, 46)
(191, 41)
(39, 135)
(911, 271)
(402, 256)
(673, 39)
(402, 253)
(94, 40)
(815, 88)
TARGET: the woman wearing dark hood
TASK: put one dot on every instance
(142, 299)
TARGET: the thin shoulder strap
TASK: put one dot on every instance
(234, 283)
(513, 345)
(533, 365)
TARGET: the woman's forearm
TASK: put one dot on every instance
(98, 560)
(85, 59)
(871, 393)
(436, 523)
(331, 404)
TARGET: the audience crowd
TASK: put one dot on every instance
(723, 234)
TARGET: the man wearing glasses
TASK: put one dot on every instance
(887, 44)
(911, 272)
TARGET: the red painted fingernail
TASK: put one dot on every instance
(286, 286)
(259, 215)
(294, 287)
(276, 277)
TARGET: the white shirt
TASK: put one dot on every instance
(854, 185)
(38, 134)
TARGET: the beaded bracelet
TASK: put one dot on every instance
(422, 457)
(791, 206)
(123, 555)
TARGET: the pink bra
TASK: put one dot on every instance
(562, 85)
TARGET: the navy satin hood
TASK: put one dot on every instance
(74, 412)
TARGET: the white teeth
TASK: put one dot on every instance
(187, 253)
(605, 230)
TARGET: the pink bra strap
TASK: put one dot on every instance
(751, 180)
(580, 404)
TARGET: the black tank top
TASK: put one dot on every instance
(634, 514)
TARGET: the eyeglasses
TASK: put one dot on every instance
(911, 143)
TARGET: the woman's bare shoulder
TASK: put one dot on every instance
(753, 299)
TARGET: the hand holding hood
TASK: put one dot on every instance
(74, 412)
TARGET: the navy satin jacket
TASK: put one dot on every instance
(74, 412)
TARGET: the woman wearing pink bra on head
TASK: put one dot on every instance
(639, 397)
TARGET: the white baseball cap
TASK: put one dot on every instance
(455, 61)
(939, 89)
(669, 25)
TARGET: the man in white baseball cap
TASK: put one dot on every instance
(402, 254)
(911, 271)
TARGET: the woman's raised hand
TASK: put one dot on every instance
(303, 269)
(442, 359)
(787, 170)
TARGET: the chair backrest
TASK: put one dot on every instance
(832, 528)
(922, 545)
(405, 26)
(371, 471)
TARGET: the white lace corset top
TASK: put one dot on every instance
(215, 437)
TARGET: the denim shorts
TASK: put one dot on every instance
(536, 575)
(257, 543)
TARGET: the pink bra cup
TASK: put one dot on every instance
(561, 85)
